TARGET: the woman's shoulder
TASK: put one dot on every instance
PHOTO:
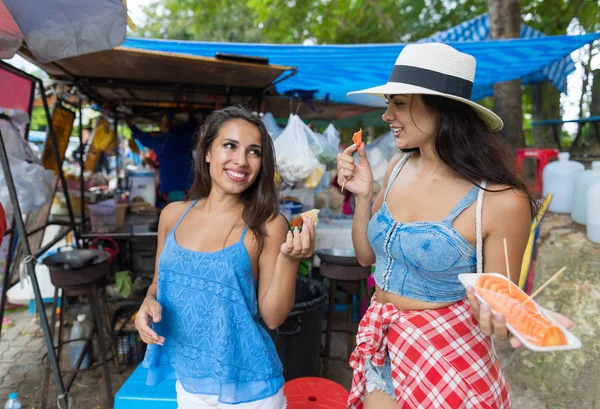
(507, 203)
(170, 215)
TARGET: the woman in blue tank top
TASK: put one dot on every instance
(424, 342)
(224, 259)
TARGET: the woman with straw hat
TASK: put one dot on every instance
(451, 197)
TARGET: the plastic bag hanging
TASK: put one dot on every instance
(272, 128)
(332, 135)
(295, 159)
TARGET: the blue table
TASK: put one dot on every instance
(135, 394)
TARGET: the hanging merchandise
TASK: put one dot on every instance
(28, 178)
(103, 136)
(379, 153)
(15, 143)
(103, 139)
(325, 152)
(295, 159)
(272, 128)
(313, 180)
(332, 135)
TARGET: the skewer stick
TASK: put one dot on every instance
(559, 272)
(507, 267)
(343, 184)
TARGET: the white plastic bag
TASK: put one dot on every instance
(12, 134)
(33, 183)
(325, 152)
(295, 159)
(380, 152)
(332, 135)
(272, 128)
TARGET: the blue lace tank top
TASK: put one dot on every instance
(214, 344)
(422, 260)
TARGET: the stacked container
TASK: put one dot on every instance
(559, 179)
(593, 213)
(583, 182)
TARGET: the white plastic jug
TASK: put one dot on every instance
(81, 329)
(142, 183)
(583, 181)
(559, 179)
(593, 213)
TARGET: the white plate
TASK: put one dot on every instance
(572, 341)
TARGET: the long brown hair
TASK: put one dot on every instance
(466, 144)
(260, 200)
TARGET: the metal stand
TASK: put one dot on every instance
(63, 400)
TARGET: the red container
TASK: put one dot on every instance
(542, 158)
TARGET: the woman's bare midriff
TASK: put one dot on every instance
(407, 304)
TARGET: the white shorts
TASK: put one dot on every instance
(186, 400)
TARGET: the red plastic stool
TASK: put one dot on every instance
(315, 393)
(542, 157)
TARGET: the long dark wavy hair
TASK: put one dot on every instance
(466, 144)
(260, 200)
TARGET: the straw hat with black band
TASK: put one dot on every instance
(435, 69)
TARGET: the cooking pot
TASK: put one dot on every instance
(77, 267)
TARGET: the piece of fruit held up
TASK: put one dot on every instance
(357, 139)
(299, 220)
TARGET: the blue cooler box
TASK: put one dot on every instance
(135, 394)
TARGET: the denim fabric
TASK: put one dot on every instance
(214, 344)
(421, 260)
(379, 378)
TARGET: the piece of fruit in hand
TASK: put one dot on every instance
(357, 138)
(299, 220)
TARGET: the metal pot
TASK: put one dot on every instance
(77, 267)
(339, 257)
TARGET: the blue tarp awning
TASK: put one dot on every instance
(478, 29)
(334, 70)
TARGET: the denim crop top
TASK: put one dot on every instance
(422, 260)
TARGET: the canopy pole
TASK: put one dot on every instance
(81, 165)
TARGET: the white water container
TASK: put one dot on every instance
(142, 183)
(583, 181)
(559, 179)
(593, 213)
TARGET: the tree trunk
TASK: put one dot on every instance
(545, 102)
(505, 22)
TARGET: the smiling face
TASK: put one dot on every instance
(412, 124)
(234, 157)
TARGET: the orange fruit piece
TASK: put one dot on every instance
(357, 138)
(299, 220)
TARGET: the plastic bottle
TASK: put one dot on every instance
(593, 213)
(81, 329)
(583, 181)
(559, 179)
(13, 402)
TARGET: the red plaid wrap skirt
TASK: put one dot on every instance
(439, 358)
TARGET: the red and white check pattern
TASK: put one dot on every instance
(440, 358)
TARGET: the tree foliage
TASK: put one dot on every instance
(343, 21)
